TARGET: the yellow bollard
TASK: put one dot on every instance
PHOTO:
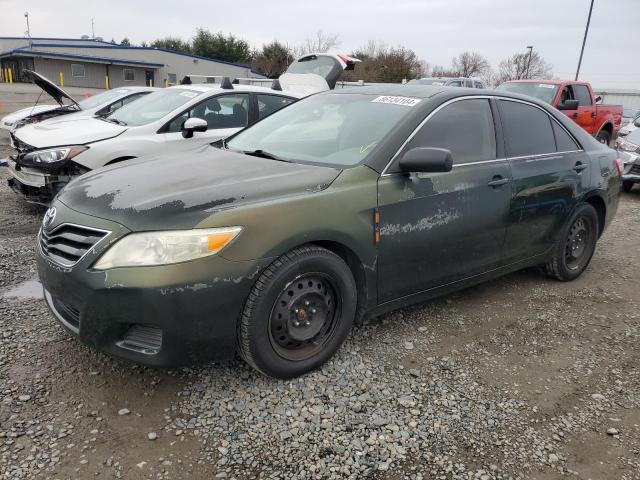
(106, 82)
(61, 79)
(10, 75)
(150, 83)
(166, 83)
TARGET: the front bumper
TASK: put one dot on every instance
(35, 186)
(631, 166)
(162, 316)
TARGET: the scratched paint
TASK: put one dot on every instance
(438, 219)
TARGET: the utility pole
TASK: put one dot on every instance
(93, 33)
(530, 47)
(26, 15)
(584, 40)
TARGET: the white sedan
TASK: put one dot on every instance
(181, 119)
(101, 104)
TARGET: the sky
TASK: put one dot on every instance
(436, 30)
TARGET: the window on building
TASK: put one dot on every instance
(129, 74)
(77, 70)
(172, 78)
(464, 127)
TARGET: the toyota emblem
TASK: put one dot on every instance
(49, 217)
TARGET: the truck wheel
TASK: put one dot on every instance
(577, 243)
(627, 185)
(298, 313)
(603, 137)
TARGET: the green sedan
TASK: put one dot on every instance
(340, 207)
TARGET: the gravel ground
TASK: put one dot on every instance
(522, 377)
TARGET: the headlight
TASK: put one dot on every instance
(628, 146)
(162, 248)
(53, 155)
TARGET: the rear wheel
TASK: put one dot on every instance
(576, 246)
(603, 137)
(298, 313)
(627, 185)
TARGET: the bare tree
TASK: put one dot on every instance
(321, 43)
(440, 71)
(519, 67)
(469, 64)
(380, 63)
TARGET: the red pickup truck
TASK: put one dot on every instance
(577, 101)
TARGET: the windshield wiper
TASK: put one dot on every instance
(264, 154)
(112, 120)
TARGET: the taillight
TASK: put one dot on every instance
(618, 163)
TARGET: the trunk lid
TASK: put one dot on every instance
(316, 72)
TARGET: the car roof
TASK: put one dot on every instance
(215, 88)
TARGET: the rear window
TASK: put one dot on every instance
(527, 129)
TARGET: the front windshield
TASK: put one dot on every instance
(542, 91)
(329, 129)
(153, 106)
(102, 98)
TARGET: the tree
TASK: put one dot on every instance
(518, 67)
(469, 64)
(220, 47)
(172, 43)
(322, 43)
(273, 59)
(125, 42)
(383, 64)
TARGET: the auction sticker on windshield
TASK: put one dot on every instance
(406, 101)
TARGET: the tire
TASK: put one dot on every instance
(576, 246)
(627, 185)
(603, 137)
(298, 313)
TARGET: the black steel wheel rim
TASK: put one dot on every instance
(304, 316)
(578, 244)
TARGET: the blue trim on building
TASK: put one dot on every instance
(37, 53)
(26, 39)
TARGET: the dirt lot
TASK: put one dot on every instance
(522, 377)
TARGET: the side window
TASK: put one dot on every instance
(468, 83)
(223, 111)
(464, 127)
(454, 83)
(582, 95)
(478, 85)
(564, 142)
(268, 104)
(527, 129)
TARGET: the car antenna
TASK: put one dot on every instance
(226, 84)
(276, 85)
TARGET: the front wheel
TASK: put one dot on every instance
(298, 313)
(576, 245)
(603, 137)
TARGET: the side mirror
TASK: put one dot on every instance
(598, 99)
(636, 122)
(193, 125)
(568, 105)
(427, 160)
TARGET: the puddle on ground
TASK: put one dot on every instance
(28, 289)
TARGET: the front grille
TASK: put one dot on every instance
(635, 169)
(66, 244)
(143, 339)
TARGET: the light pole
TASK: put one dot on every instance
(584, 40)
(26, 15)
(530, 47)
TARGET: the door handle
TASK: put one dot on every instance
(579, 166)
(498, 181)
(593, 114)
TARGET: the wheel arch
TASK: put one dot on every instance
(606, 127)
(598, 203)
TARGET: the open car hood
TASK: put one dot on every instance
(49, 87)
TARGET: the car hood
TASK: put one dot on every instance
(174, 192)
(49, 87)
(12, 118)
(68, 131)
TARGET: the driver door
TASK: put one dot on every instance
(225, 115)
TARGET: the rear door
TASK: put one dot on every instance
(438, 228)
(548, 177)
